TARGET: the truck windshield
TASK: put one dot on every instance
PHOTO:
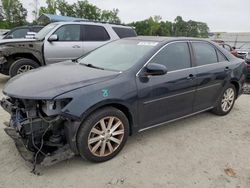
(119, 55)
(41, 34)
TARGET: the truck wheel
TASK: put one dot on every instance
(226, 101)
(103, 135)
(21, 66)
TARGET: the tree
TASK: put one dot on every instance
(65, 9)
(110, 16)
(50, 9)
(14, 14)
(80, 9)
(156, 27)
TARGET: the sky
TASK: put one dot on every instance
(220, 15)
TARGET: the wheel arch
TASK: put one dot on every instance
(119, 105)
(237, 86)
(17, 56)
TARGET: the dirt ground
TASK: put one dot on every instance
(204, 151)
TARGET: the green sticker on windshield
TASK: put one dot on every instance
(105, 92)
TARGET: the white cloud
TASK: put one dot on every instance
(220, 15)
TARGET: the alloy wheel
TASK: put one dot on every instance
(228, 100)
(24, 68)
(106, 136)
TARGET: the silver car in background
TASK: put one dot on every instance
(58, 42)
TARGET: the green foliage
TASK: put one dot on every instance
(51, 7)
(80, 9)
(14, 14)
(154, 26)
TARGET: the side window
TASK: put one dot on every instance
(221, 57)
(69, 33)
(95, 33)
(174, 56)
(19, 33)
(204, 53)
(124, 32)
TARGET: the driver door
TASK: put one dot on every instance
(170, 96)
(68, 46)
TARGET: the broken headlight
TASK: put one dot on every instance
(54, 107)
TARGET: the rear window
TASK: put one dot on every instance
(124, 32)
(95, 33)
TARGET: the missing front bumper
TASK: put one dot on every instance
(63, 153)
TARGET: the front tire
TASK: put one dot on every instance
(21, 66)
(226, 101)
(103, 135)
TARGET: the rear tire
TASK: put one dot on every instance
(103, 135)
(226, 101)
(21, 66)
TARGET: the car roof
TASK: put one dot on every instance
(94, 23)
(165, 39)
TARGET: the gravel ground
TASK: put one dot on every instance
(204, 151)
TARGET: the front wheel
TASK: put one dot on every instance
(226, 101)
(103, 135)
(21, 66)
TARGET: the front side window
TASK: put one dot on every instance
(174, 56)
(204, 53)
(95, 33)
(69, 33)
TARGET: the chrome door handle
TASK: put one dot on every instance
(191, 77)
(76, 46)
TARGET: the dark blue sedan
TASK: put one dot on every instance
(89, 106)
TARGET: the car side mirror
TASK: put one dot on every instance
(53, 38)
(155, 69)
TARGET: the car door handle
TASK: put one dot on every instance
(76, 46)
(191, 77)
(226, 69)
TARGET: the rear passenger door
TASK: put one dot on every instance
(212, 71)
(68, 46)
(93, 37)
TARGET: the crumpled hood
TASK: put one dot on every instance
(53, 80)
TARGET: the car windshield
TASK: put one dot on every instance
(119, 55)
(43, 32)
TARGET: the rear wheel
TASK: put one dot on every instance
(226, 101)
(21, 66)
(103, 135)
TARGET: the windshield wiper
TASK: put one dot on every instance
(92, 66)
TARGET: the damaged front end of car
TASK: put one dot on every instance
(41, 133)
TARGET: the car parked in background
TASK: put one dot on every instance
(247, 58)
(57, 42)
(229, 48)
(243, 50)
(22, 32)
(91, 105)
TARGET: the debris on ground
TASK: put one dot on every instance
(230, 172)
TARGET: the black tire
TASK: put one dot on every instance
(84, 134)
(18, 64)
(218, 110)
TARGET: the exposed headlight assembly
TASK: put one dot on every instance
(52, 108)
